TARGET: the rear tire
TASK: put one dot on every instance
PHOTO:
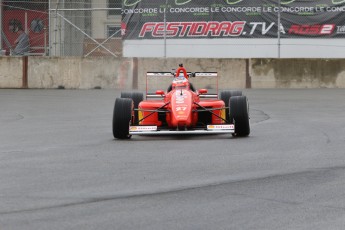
(239, 115)
(225, 96)
(137, 98)
(122, 117)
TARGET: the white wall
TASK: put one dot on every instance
(236, 48)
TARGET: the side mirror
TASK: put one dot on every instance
(202, 91)
(160, 92)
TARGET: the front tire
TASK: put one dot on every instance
(137, 97)
(225, 96)
(122, 117)
(239, 115)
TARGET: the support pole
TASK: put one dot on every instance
(25, 72)
(56, 28)
(135, 73)
(165, 28)
(248, 78)
(278, 30)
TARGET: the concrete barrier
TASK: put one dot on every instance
(11, 72)
(127, 73)
(297, 73)
(79, 73)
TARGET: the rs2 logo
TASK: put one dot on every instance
(325, 29)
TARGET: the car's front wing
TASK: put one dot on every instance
(154, 130)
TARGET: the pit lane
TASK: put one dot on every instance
(61, 168)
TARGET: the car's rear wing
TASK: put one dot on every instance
(206, 74)
(191, 74)
(162, 79)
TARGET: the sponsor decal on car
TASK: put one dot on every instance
(142, 128)
(206, 74)
(220, 127)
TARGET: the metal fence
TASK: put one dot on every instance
(62, 27)
(93, 27)
(26, 18)
(85, 28)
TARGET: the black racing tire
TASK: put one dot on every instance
(225, 96)
(122, 117)
(239, 113)
(137, 97)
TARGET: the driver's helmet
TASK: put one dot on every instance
(180, 81)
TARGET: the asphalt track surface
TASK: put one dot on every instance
(60, 167)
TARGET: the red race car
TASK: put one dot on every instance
(181, 109)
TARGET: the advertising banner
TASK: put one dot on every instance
(212, 19)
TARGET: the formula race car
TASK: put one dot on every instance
(181, 109)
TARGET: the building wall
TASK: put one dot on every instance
(100, 19)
